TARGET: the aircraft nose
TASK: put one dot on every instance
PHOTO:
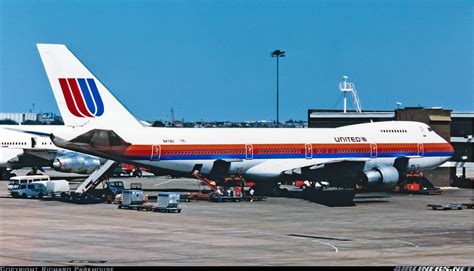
(451, 149)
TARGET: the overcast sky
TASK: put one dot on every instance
(211, 59)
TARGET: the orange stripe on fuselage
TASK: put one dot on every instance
(136, 150)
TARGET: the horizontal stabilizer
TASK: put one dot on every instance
(102, 143)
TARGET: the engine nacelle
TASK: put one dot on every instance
(76, 164)
(387, 176)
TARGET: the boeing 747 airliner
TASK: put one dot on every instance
(362, 154)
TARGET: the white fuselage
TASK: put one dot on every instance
(267, 152)
(13, 144)
(22, 146)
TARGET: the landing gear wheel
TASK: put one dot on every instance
(137, 173)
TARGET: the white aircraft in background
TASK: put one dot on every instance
(362, 154)
(18, 150)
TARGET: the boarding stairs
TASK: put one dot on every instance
(96, 177)
(205, 181)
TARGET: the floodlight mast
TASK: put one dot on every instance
(350, 87)
(278, 54)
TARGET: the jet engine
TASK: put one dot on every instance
(387, 176)
(76, 164)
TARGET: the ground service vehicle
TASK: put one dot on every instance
(113, 189)
(39, 189)
(57, 187)
(33, 190)
(26, 180)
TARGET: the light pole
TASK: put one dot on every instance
(278, 54)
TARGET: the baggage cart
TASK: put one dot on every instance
(132, 197)
(448, 206)
(167, 202)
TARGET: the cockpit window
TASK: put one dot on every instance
(429, 129)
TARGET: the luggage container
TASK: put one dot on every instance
(132, 197)
(57, 187)
(168, 202)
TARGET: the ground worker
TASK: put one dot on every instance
(219, 194)
(251, 192)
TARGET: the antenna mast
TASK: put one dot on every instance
(172, 117)
(350, 87)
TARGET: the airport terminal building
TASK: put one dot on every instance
(18, 117)
(456, 127)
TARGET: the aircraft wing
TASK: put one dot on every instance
(33, 158)
(338, 172)
(274, 168)
(311, 165)
(46, 154)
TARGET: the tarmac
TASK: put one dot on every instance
(382, 229)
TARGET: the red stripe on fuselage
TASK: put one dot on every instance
(68, 97)
(144, 150)
(76, 92)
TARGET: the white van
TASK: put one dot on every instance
(26, 180)
(25, 190)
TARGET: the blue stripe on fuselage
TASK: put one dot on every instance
(287, 156)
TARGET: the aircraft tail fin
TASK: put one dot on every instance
(82, 99)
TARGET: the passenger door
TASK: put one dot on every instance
(308, 151)
(421, 149)
(33, 142)
(248, 152)
(155, 153)
(373, 150)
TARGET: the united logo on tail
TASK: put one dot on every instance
(82, 97)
